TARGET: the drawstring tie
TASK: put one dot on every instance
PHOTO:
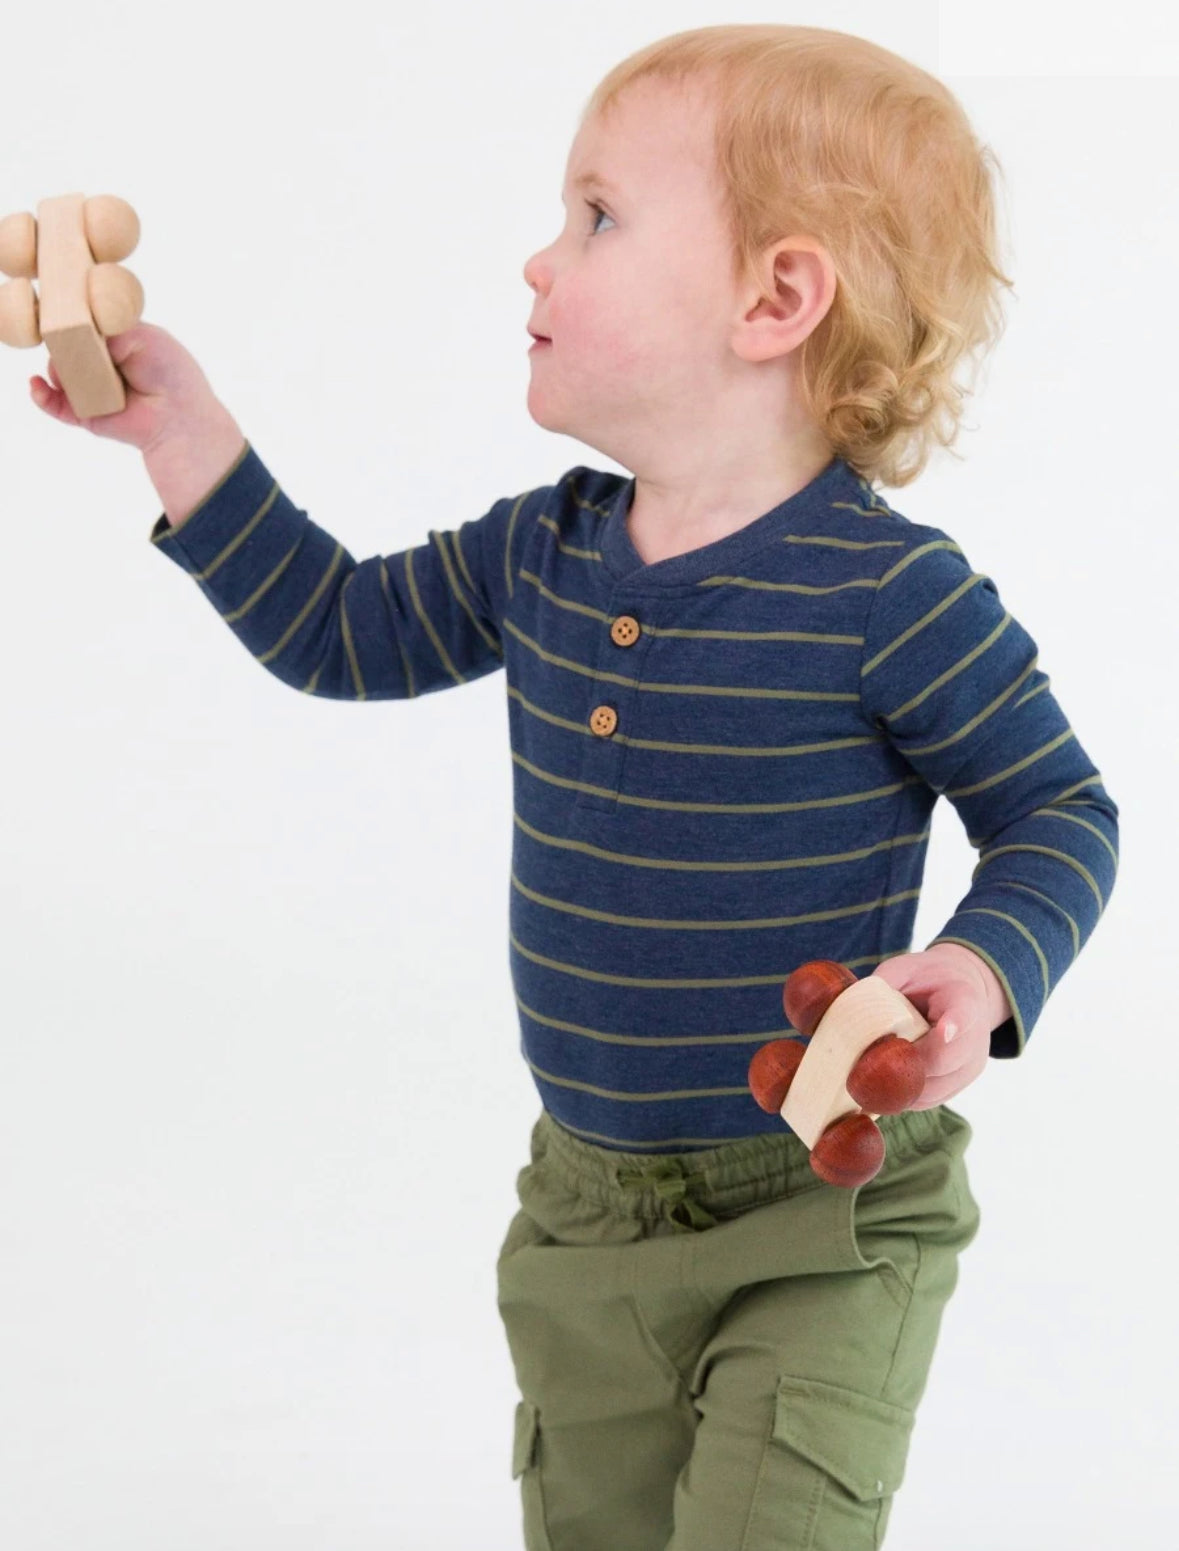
(667, 1177)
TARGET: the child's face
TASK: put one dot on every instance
(639, 302)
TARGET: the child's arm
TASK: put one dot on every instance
(953, 681)
(391, 627)
(186, 469)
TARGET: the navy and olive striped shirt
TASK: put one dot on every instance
(724, 762)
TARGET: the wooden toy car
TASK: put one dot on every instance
(71, 249)
(860, 1063)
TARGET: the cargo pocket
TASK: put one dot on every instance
(524, 1447)
(833, 1462)
(862, 1442)
(524, 1469)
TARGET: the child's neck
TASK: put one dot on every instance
(666, 520)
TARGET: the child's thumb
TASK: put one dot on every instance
(124, 345)
(152, 361)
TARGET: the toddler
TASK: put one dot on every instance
(738, 681)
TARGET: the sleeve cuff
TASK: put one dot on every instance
(234, 500)
(1025, 994)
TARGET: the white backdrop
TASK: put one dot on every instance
(261, 1098)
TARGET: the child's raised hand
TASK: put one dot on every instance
(962, 1000)
(166, 389)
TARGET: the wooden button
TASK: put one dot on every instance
(625, 630)
(603, 720)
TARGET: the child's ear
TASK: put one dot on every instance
(792, 295)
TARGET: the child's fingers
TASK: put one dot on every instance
(53, 402)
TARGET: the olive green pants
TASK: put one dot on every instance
(716, 1351)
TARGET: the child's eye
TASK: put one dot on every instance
(600, 211)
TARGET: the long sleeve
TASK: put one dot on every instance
(953, 681)
(389, 627)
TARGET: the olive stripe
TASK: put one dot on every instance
(703, 635)
(712, 807)
(723, 749)
(508, 540)
(636, 1098)
(724, 981)
(984, 910)
(660, 1042)
(349, 644)
(264, 587)
(674, 864)
(976, 721)
(239, 539)
(1071, 818)
(1059, 801)
(1060, 856)
(609, 918)
(459, 593)
(741, 692)
(405, 663)
(1020, 764)
(1074, 929)
(307, 608)
(831, 543)
(915, 554)
(427, 624)
(919, 624)
(953, 671)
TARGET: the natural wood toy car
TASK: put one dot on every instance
(860, 1063)
(72, 250)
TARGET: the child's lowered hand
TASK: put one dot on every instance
(961, 998)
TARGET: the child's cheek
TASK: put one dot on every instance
(637, 356)
(623, 339)
(600, 340)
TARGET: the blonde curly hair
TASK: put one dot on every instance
(828, 134)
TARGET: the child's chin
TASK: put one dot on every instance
(544, 419)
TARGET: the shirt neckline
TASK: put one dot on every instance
(800, 512)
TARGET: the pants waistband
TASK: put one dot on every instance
(690, 1187)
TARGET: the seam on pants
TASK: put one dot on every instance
(959, 1207)
(892, 1361)
(956, 1163)
(662, 1359)
(755, 1500)
(538, 1477)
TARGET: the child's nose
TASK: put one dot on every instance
(535, 270)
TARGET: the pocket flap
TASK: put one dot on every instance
(524, 1445)
(861, 1441)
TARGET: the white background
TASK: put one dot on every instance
(261, 1099)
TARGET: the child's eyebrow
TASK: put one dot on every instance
(594, 180)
